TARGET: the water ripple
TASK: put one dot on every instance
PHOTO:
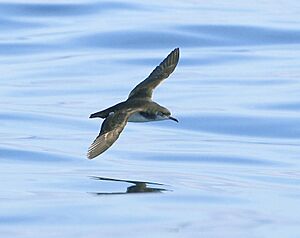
(252, 126)
(191, 36)
(214, 159)
(246, 35)
(61, 9)
(14, 24)
(33, 156)
(132, 39)
(289, 106)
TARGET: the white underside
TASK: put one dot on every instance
(137, 117)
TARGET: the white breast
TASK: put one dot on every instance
(137, 117)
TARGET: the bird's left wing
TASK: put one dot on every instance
(111, 129)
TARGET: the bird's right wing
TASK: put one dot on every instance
(111, 129)
(161, 72)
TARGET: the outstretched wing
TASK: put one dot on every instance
(111, 129)
(161, 72)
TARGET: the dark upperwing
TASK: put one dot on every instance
(161, 72)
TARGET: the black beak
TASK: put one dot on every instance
(172, 118)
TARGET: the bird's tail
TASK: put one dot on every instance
(105, 113)
(100, 114)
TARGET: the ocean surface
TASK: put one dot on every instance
(229, 168)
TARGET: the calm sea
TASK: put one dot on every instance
(229, 168)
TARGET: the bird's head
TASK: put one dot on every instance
(164, 114)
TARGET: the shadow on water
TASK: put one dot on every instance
(137, 187)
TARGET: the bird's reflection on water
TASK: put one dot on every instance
(137, 187)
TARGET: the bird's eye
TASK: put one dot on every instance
(160, 114)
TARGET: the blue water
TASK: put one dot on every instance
(230, 168)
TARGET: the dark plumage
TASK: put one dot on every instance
(138, 107)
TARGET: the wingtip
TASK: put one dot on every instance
(89, 153)
(176, 50)
(175, 53)
(89, 157)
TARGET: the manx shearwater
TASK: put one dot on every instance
(138, 107)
